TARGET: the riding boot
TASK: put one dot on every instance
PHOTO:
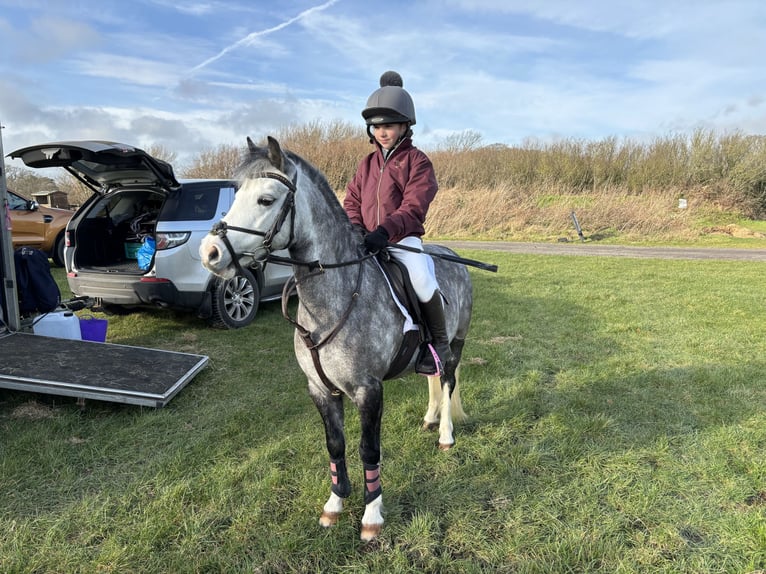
(438, 353)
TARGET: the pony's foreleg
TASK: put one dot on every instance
(340, 489)
(372, 521)
(370, 404)
(331, 409)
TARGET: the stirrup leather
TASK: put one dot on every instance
(429, 363)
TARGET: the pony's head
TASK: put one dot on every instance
(260, 219)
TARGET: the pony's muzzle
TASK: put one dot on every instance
(213, 255)
(210, 254)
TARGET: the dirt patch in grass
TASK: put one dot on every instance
(33, 411)
(734, 231)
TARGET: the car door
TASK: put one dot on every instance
(27, 222)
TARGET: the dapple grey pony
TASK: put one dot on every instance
(348, 325)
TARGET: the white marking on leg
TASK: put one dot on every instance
(331, 511)
(446, 440)
(431, 419)
(372, 521)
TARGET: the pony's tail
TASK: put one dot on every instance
(456, 405)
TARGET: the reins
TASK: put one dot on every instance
(316, 264)
(289, 289)
(315, 267)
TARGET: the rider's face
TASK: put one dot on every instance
(388, 134)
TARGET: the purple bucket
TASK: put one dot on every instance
(92, 329)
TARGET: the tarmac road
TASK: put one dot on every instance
(573, 248)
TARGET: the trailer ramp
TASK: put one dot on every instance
(91, 370)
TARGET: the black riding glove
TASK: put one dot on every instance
(376, 240)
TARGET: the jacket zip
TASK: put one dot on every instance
(380, 176)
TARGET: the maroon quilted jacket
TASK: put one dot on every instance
(394, 193)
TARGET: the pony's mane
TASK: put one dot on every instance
(319, 181)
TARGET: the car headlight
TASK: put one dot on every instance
(172, 239)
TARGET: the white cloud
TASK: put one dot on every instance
(48, 39)
(508, 69)
(126, 69)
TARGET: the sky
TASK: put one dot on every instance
(193, 75)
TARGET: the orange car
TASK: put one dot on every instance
(38, 226)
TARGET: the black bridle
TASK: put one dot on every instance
(288, 208)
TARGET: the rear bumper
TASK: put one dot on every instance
(166, 294)
(123, 289)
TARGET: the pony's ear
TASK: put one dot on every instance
(251, 146)
(275, 154)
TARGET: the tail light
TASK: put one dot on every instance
(171, 239)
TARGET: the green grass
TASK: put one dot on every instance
(617, 424)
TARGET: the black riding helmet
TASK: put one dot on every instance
(389, 104)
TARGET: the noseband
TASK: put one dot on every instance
(288, 208)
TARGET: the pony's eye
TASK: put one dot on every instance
(265, 200)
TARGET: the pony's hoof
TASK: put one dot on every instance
(446, 446)
(329, 519)
(370, 532)
(430, 426)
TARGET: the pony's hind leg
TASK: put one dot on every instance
(440, 406)
(331, 409)
(444, 403)
(446, 438)
(451, 406)
(431, 418)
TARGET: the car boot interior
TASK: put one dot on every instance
(111, 231)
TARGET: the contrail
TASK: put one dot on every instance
(250, 37)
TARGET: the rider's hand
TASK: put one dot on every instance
(376, 240)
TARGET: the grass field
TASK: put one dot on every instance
(617, 424)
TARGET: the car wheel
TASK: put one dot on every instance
(235, 301)
(58, 251)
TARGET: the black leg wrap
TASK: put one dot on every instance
(341, 485)
(372, 487)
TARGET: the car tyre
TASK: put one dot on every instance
(58, 251)
(235, 301)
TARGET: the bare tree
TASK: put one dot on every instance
(217, 163)
(466, 140)
(25, 182)
(161, 152)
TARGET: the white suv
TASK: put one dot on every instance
(135, 241)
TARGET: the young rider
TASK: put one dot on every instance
(389, 197)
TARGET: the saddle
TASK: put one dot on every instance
(399, 280)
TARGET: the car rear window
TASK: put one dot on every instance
(124, 205)
(191, 203)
